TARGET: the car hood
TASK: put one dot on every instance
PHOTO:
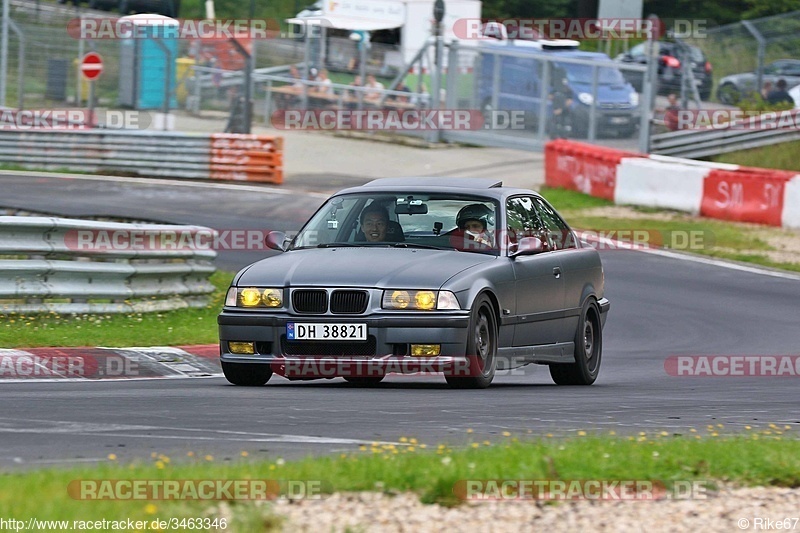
(377, 267)
(617, 93)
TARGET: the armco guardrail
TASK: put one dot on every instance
(758, 131)
(80, 266)
(727, 192)
(148, 153)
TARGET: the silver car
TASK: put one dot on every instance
(456, 276)
(732, 88)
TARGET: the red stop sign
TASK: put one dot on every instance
(91, 65)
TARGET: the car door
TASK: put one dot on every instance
(575, 268)
(538, 283)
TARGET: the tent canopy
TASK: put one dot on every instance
(346, 23)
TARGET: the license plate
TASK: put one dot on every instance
(619, 120)
(300, 331)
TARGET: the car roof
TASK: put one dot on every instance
(486, 187)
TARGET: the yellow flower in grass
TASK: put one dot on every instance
(150, 508)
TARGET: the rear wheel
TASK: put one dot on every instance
(364, 381)
(588, 351)
(481, 349)
(246, 374)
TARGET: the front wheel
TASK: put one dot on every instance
(728, 94)
(588, 351)
(246, 374)
(481, 349)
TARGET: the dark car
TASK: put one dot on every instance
(406, 275)
(733, 87)
(670, 75)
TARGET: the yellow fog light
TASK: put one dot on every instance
(426, 350)
(425, 300)
(250, 297)
(272, 298)
(400, 299)
(241, 348)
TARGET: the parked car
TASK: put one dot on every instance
(520, 77)
(464, 278)
(733, 87)
(670, 74)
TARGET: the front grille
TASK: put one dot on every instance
(348, 302)
(618, 105)
(310, 301)
(328, 348)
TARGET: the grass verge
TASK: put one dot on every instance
(182, 326)
(747, 243)
(757, 458)
(781, 156)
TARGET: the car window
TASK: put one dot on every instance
(792, 69)
(559, 235)
(423, 219)
(521, 220)
(773, 68)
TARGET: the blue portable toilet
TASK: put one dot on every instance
(143, 61)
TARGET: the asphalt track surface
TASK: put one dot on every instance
(662, 305)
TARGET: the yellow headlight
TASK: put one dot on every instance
(400, 299)
(251, 297)
(273, 298)
(425, 300)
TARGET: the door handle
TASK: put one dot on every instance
(557, 272)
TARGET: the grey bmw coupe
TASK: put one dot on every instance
(462, 277)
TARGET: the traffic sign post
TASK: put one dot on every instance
(91, 68)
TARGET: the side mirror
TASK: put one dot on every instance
(276, 241)
(529, 246)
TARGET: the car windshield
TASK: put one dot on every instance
(583, 74)
(403, 219)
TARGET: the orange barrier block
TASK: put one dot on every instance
(243, 157)
(583, 167)
(745, 195)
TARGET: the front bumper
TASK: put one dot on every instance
(387, 348)
(607, 118)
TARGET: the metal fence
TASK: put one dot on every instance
(45, 266)
(749, 46)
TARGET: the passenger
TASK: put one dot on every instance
(473, 228)
(780, 95)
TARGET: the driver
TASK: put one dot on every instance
(374, 222)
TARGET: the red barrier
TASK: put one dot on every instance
(745, 195)
(583, 167)
(246, 157)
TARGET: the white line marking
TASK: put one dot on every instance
(164, 181)
(120, 430)
(622, 245)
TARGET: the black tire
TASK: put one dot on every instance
(481, 348)
(364, 381)
(588, 351)
(728, 94)
(247, 374)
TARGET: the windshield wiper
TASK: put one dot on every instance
(414, 245)
(339, 244)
